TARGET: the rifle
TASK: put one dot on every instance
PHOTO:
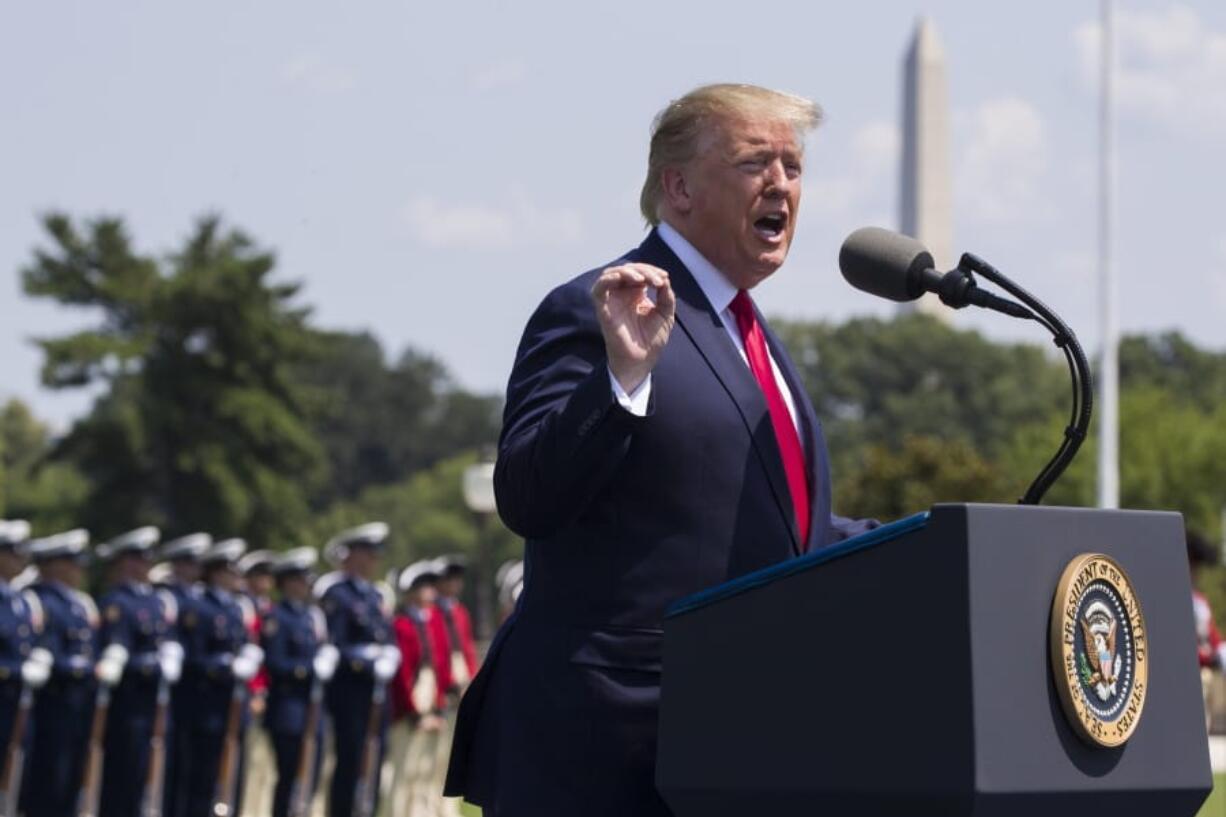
(91, 779)
(304, 777)
(368, 771)
(227, 776)
(155, 777)
(15, 755)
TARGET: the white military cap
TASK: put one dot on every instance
(190, 547)
(372, 534)
(71, 544)
(452, 564)
(141, 540)
(257, 560)
(418, 573)
(227, 550)
(298, 560)
(14, 533)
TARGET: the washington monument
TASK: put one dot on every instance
(926, 202)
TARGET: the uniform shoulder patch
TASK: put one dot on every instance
(270, 626)
(113, 613)
(189, 619)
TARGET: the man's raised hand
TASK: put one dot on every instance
(635, 328)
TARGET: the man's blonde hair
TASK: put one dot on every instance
(677, 130)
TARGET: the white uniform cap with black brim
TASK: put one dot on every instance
(141, 540)
(417, 574)
(227, 551)
(298, 560)
(256, 561)
(71, 544)
(14, 534)
(372, 535)
(190, 547)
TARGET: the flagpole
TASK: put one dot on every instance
(1108, 374)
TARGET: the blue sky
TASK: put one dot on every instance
(430, 170)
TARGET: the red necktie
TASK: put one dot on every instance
(785, 430)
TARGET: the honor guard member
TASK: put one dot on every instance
(299, 661)
(180, 559)
(141, 620)
(24, 667)
(362, 633)
(419, 691)
(256, 569)
(457, 621)
(64, 707)
(220, 661)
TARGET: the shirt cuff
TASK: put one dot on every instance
(636, 401)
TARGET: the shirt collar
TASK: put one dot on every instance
(718, 290)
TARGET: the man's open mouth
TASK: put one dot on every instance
(771, 227)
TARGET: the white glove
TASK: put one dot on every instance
(247, 662)
(387, 663)
(368, 652)
(109, 668)
(326, 658)
(36, 669)
(170, 659)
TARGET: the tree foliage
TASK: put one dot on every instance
(200, 424)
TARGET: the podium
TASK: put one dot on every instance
(909, 672)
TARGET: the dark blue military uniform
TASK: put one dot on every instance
(291, 635)
(358, 627)
(65, 706)
(18, 625)
(215, 630)
(138, 618)
(179, 758)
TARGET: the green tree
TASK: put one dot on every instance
(46, 493)
(878, 381)
(381, 423)
(200, 423)
(892, 482)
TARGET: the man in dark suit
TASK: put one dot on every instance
(657, 440)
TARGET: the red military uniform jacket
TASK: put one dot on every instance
(409, 625)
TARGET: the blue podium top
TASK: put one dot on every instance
(818, 557)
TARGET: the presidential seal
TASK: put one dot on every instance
(1098, 650)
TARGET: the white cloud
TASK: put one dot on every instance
(874, 152)
(1170, 68)
(498, 76)
(999, 170)
(520, 223)
(314, 74)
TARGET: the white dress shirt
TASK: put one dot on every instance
(719, 292)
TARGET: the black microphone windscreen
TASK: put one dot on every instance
(885, 263)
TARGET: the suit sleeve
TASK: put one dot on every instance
(564, 434)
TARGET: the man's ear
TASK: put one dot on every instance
(676, 190)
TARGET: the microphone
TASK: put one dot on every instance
(899, 268)
(894, 266)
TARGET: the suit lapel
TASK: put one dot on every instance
(705, 330)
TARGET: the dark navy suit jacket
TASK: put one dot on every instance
(622, 515)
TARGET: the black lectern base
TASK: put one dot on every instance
(907, 672)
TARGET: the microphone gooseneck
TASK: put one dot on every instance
(899, 268)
